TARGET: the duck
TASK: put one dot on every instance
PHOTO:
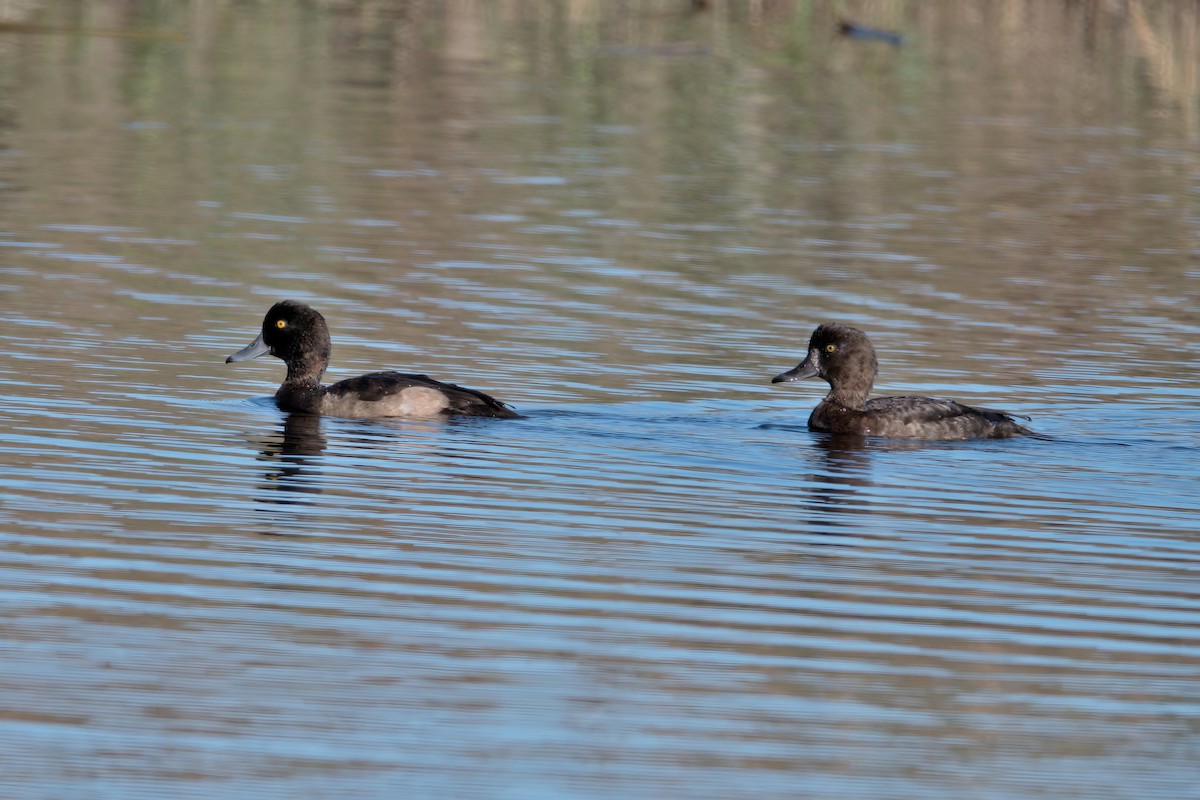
(298, 335)
(844, 357)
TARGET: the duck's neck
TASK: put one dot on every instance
(850, 394)
(305, 372)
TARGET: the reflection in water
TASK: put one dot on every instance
(835, 487)
(296, 451)
(841, 486)
(290, 454)
(844, 461)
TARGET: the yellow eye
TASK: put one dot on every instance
(831, 348)
(281, 323)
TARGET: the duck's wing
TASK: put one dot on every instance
(375, 387)
(917, 409)
(929, 411)
(1005, 414)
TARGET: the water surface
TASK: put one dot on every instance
(623, 219)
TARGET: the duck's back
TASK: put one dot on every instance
(396, 394)
(916, 418)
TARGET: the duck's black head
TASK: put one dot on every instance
(844, 357)
(295, 334)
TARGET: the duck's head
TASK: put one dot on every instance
(841, 355)
(293, 333)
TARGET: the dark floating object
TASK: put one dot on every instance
(843, 357)
(852, 30)
(297, 335)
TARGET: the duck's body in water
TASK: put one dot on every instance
(844, 357)
(298, 335)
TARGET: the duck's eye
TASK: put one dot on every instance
(829, 348)
(281, 323)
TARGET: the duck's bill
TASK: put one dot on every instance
(253, 350)
(805, 369)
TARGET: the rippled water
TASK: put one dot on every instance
(623, 219)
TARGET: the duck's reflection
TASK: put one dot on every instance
(295, 452)
(838, 485)
(292, 453)
(843, 481)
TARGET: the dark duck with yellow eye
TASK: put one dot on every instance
(843, 357)
(298, 335)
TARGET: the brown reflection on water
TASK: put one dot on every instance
(1040, 202)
